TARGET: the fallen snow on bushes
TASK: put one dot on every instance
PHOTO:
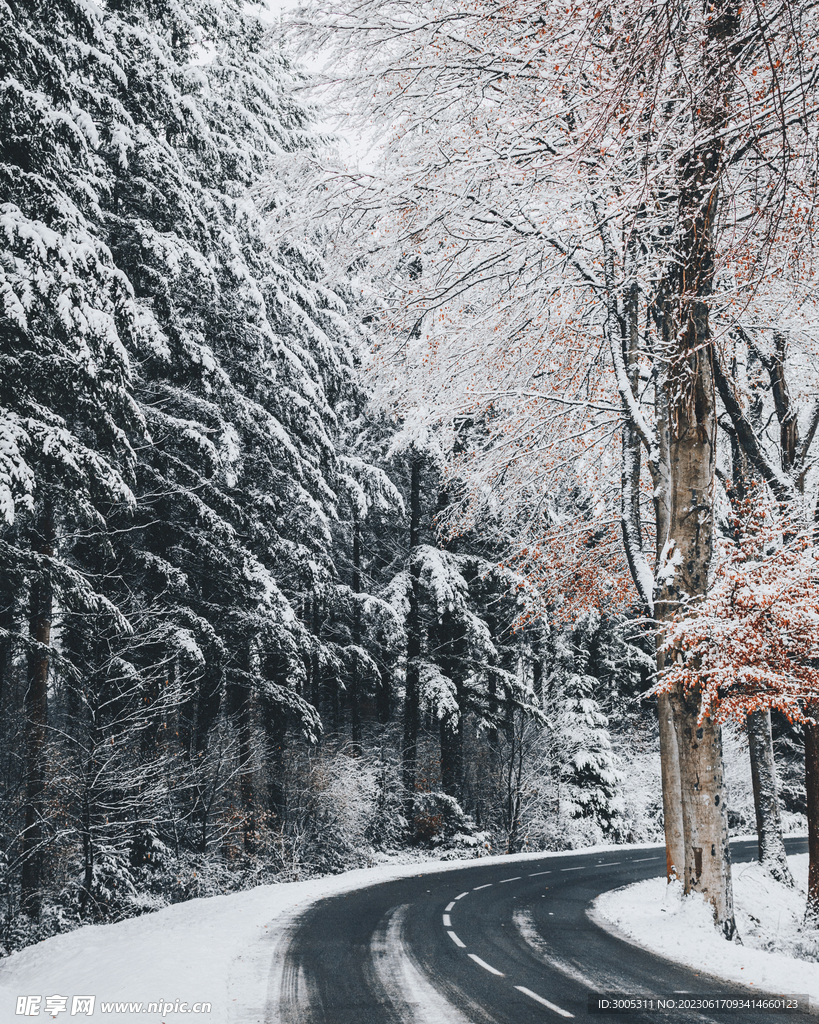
(776, 954)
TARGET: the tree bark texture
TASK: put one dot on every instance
(766, 797)
(685, 468)
(672, 791)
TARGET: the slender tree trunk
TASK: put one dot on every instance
(745, 480)
(355, 682)
(812, 792)
(8, 624)
(452, 758)
(411, 695)
(242, 710)
(672, 791)
(766, 797)
(383, 694)
(41, 600)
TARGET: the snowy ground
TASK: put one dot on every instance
(776, 953)
(221, 950)
(218, 950)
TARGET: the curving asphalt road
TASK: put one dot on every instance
(500, 944)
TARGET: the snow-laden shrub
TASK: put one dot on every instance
(346, 805)
(115, 892)
(387, 827)
(439, 821)
(148, 850)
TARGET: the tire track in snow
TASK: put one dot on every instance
(405, 985)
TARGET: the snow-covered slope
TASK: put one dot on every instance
(769, 921)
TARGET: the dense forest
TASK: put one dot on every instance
(258, 617)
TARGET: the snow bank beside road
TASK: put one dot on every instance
(218, 950)
(769, 920)
(221, 950)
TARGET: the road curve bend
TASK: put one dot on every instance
(506, 943)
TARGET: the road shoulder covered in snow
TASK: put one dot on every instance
(220, 950)
(777, 955)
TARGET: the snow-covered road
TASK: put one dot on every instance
(231, 951)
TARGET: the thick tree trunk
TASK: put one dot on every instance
(686, 462)
(276, 728)
(705, 821)
(766, 797)
(8, 627)
(685, 525)
(684, 507)
(41, 600)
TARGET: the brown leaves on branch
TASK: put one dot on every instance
(753, 642)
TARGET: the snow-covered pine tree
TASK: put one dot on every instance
(67, 321)
(590, 784)
(136, 264)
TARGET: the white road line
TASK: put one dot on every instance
(608, 864)
(641, 860)
(456, 940)
(543, 1002)
(534, 874)
(485, 965)
(488, 884)
(462, 895)
(447, 921)
(572, 869)
(449, 906)
(517, 878)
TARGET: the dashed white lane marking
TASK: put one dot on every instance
(517, 878)
(485, 965)
(543, 1002)
(449, 906)
(488, 884)
(608, 864)
(447, 921)
(462, 895)
(456, 940)
(534, 874)
(640, 860)
(572, 869)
